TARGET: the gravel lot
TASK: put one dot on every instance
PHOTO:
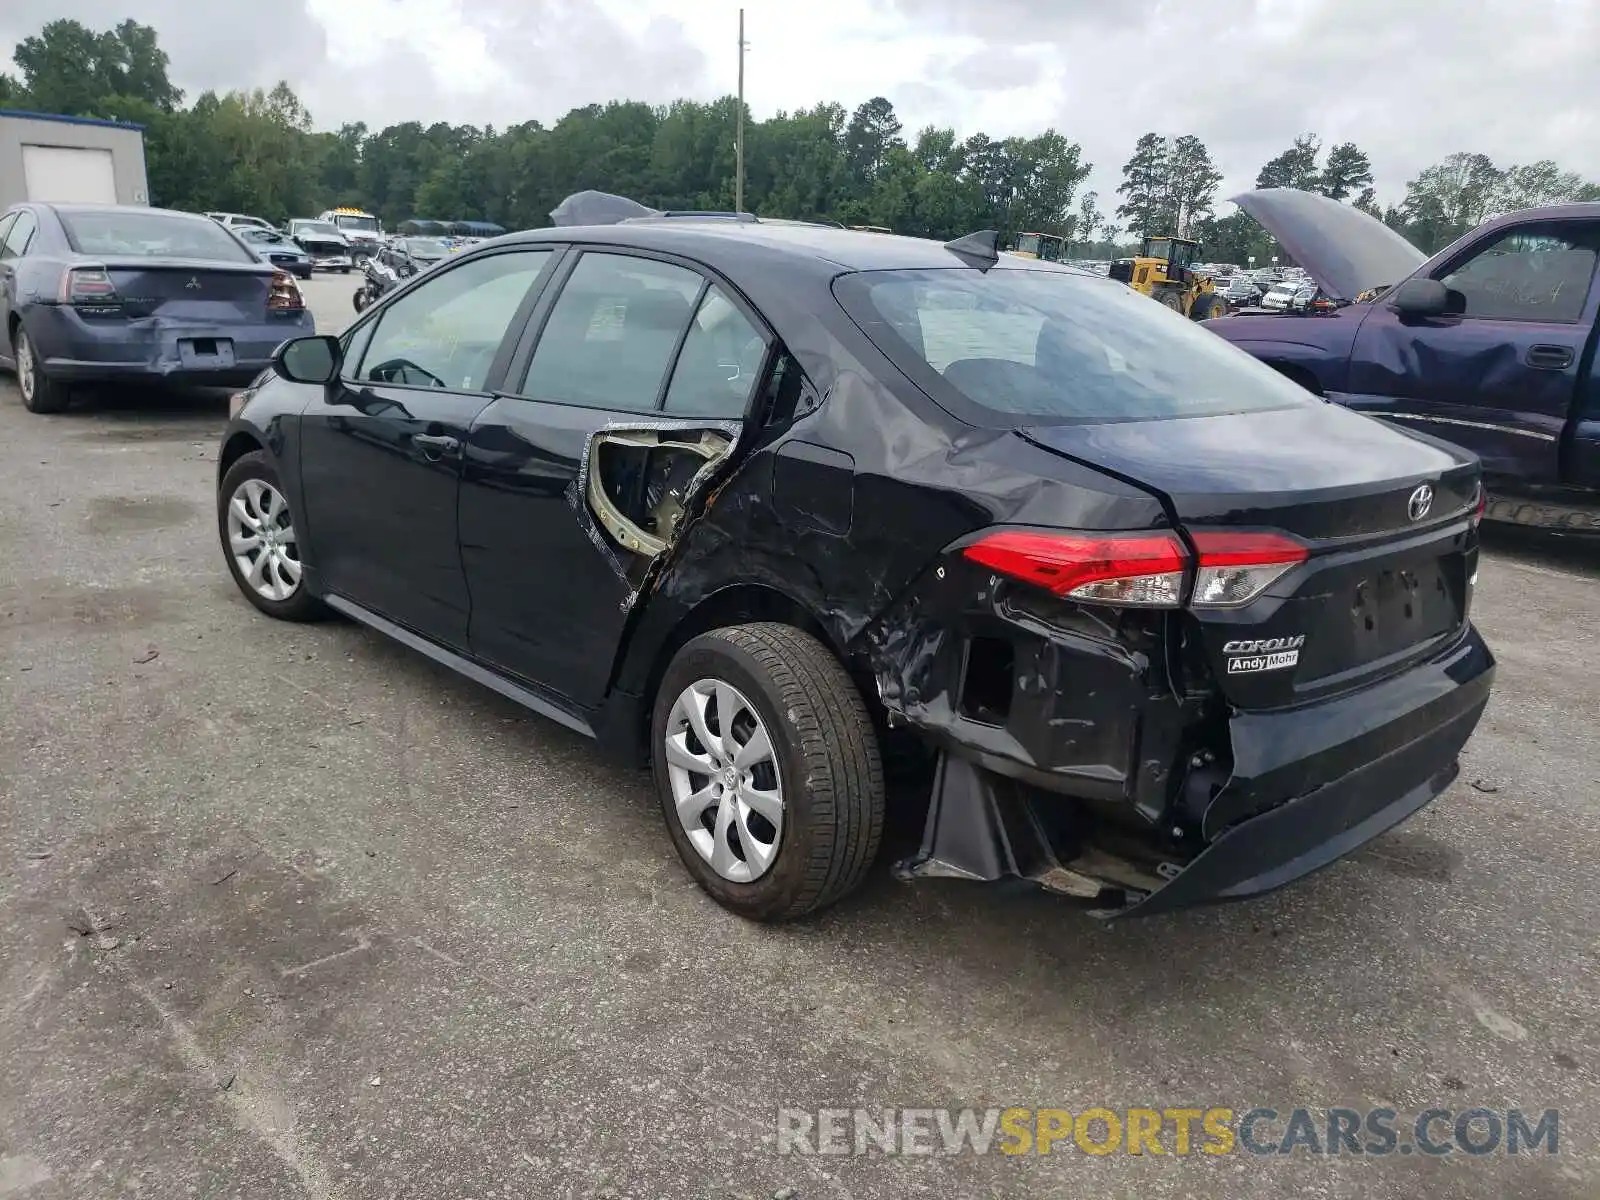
(288, 911)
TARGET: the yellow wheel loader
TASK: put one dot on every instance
(1165, 272)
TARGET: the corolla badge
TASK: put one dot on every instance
(1421, 501)
(194, 282)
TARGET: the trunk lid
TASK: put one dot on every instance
(1344, 249)
(1379, 587)
(198, 290)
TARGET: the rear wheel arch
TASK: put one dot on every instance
(737, 604)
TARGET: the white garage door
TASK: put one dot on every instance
(69, 175)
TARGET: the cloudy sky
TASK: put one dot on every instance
(1408, 80)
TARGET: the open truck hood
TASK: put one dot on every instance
(1346, 251)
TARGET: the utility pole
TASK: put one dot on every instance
(738, 138)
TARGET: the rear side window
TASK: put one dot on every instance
(16, 240)
(150, 235)
(720, 363)
(1012, 347)
(613, 332)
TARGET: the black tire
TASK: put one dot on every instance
(1208, 307)
(40, 393)
(344, 270)
(827, 755)
(359, 299)
(1169, 298)
(300, 605)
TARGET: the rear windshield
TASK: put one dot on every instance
(1049, 347)
(150, 235)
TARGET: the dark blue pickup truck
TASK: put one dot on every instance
(1489, 344)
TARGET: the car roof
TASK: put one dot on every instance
(716, 238)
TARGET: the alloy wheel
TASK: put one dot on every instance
(262, 540)
(26, 377)
(726, 787)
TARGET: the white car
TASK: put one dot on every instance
(1292, 295)
(238, 221)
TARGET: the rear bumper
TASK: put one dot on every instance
(1351, 770)
(1308, 785)
(157, 349)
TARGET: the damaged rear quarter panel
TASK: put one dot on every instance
(913, 480)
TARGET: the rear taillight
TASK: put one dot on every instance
(1481, 506)
(284, 294)
(1234, 568)
(1143, 570)
(89, 286)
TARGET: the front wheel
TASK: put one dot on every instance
(261, 542)
(344, 270)
(767, 768)
(360, 299)
(1208, 307)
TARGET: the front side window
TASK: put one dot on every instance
(446, 332)
(1008, 347)
(612, 333)
(1529, 275)
(720, 363)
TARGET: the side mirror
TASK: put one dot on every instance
(1420, 298)
(308, 359)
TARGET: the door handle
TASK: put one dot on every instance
(436, 446)
(1549, 358)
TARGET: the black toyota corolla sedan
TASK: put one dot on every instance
(756, 502)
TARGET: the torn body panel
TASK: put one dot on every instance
(640, 483)
(1225, 804)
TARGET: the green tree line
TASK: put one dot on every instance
(259, 152)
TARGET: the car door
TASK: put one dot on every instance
(380, 453)
(635, 379)
(1499, 373)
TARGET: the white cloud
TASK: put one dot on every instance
(1410, 81)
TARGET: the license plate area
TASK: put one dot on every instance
(205, 353)
(1400, 606)
(1374, 615)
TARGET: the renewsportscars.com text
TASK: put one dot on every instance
(1177, 1132)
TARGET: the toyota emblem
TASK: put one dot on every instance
(1421, 501)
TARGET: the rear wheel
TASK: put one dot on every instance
(40, 393)
(344, 270)
(767, 769)
(1169, 298)
(359, 299)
